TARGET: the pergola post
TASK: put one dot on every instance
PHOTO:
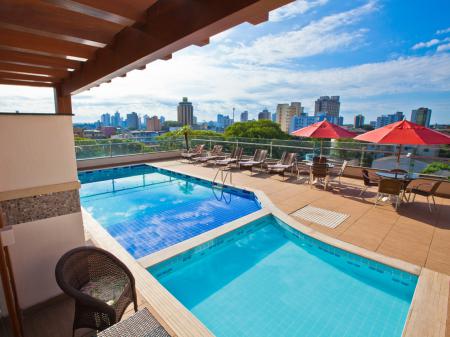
(63, 103)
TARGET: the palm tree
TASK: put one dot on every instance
(185, 131)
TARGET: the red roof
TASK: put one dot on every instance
(324, 129)
(404, 132)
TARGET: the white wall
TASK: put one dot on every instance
(39, 245)
(36, 151)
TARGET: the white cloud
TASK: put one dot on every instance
(323, 36)
(443, 47)
(294, 9)
(427, 44)
(443, 31)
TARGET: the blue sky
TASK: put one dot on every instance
(379, 56)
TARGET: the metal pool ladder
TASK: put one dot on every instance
(223, 177)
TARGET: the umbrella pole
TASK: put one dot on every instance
(398, 155)
(321, 145)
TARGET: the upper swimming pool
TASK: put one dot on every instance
(266, 279)
(147, 209)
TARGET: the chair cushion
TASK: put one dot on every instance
(107, 289)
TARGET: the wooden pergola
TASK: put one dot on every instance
(74, 45)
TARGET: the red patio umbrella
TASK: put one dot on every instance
(324, 129)
(402, 133)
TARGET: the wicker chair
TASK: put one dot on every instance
(101, 285)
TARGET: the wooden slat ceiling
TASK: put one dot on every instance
(76, 45)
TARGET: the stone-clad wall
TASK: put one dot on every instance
(40, 206)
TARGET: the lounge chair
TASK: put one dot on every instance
(390, 187)
(195, 152)
(215, 153)
(258, 160)
(287, 162)
(234, 157)
(427, 190)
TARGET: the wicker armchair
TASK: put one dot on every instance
(101, 285)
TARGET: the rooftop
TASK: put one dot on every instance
(411, 234)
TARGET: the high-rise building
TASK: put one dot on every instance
(162, 120)
(384, 120)
(133, 121)
(153, 124)
(223, 121)
(359, 121)
(265, 114)
(194, 120)
(328, 105)
(116, 120)
(298, 122)
(286, 112)
(244, 116)
(185, 112)
(105, 119)
(421, 116)
(274, 117)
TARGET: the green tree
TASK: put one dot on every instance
(256, 129)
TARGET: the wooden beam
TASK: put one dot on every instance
(11, 39)
(26, 83)
(22, 69)
(114, 11)
(16, 57)
(63, 103)
(14, 76)
(195, 21)
(48, 20)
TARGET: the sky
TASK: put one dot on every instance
(379, 56)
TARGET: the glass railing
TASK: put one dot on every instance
(433, 160)
(102, 148)
(430, 159)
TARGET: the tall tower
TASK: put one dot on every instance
(185, 112)
(286, 112)
(328, 105)
(421, 116)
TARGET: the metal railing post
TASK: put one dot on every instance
(110, 149)
(270, 149)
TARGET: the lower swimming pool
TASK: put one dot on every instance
(147, 209)
(267, 279)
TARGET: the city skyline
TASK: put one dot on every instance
(286, 59)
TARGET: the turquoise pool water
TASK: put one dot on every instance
(147, 209)
(267, 279)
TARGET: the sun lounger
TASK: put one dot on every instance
(195, 152)
(215, 153)
(258, 160)
(287, 162)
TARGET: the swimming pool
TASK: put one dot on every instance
(268, 279)
(147, 209)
